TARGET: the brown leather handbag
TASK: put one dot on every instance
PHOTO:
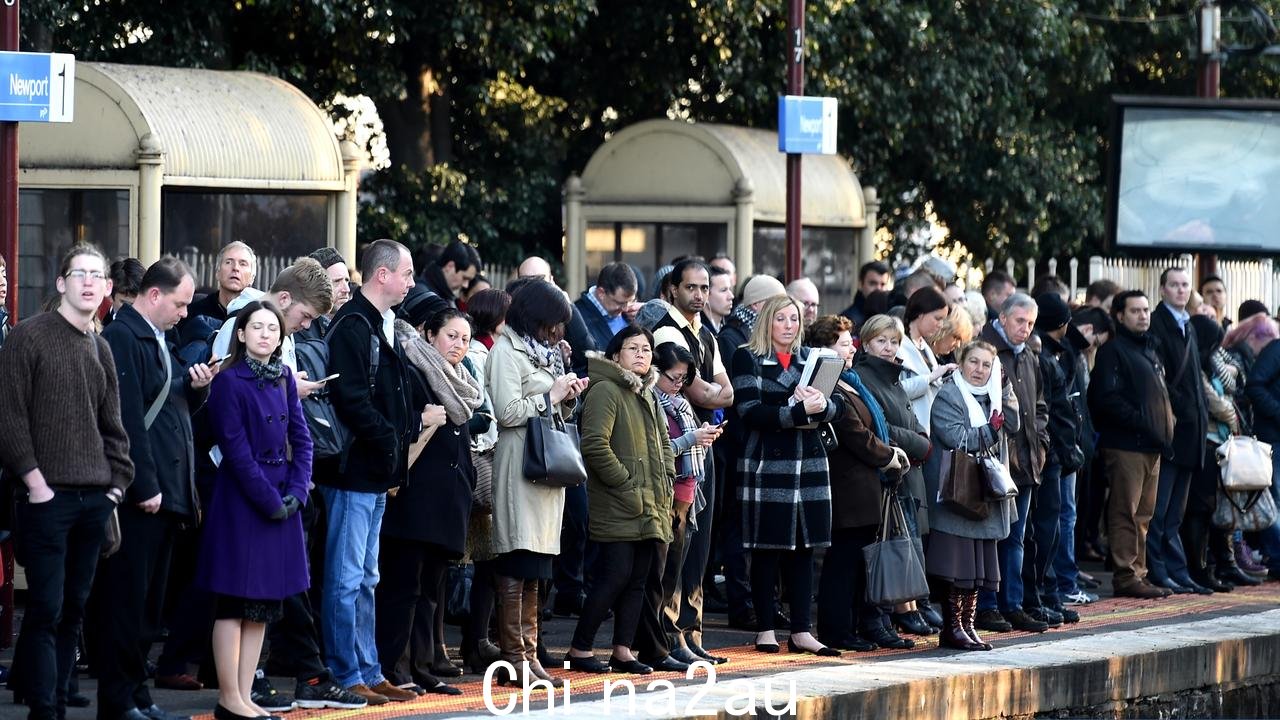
(961, 488)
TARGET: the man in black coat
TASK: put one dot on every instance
(157, 396)
(1171, 326)
(355, 486)
(1131, 412)
(456, 266)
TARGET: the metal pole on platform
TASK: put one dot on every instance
(795, 86)
(1207, 86)
(9, 168)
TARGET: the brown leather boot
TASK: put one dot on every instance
(529, 617)
(510, 592)
(969, 615)
(953, 634)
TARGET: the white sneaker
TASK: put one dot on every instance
(1080, 597)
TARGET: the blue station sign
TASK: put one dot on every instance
(807, 125)
(37, 87)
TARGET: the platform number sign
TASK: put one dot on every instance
(37, 87)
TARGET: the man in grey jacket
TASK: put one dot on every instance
(1009, 334)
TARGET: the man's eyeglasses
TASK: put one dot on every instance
(85, 275)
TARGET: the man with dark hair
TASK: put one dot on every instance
(688, 285)
(1132, 415)
(722, 262)
(602, 307)
(448, 276)
(126, 277)
(1214, 292)
(874, 276)
(1100, 293)
(1180, 355)
(157, 397)
(355, 485)
(997, 286)
(61, 437)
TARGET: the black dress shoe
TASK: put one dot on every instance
(702, 654)
(219, 713)
(1170, 584)
(992, 621)
(853, 643)
(155, 713)
(685, 656)
(670, 664)
(1193, 586)
(1024, 622)
(929, 614)
(886, 638)
(444, 668)
(441, 688)
(1237, 577)
(911, 622)
(820, 652)
(586, 664)
(632, 667)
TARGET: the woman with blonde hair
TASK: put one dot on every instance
(955, 332)
(783, 480)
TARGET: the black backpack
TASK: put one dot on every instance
(329, 437)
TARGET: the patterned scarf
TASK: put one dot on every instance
(548, 358)
(689, 463)
(746, 316)
(269, 371)
(1224, 370)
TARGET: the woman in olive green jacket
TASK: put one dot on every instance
(630, 471)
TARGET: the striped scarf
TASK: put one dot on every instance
(746, 316)
(691, 462)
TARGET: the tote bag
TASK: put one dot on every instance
(960, 490)
(551, 455)
(895, 569)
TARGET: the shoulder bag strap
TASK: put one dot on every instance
(154, 411)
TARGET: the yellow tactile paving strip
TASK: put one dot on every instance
(745, 661)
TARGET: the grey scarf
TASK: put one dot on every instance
(453, 386)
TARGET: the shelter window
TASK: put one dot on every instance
(825, 260)
(280, 227)
(50, 221)
(648, 246)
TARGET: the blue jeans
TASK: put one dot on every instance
(1270, 538)
(1064, 560)
(1009, 551)
(1041, 546)
(350, 575)
(1165, 557)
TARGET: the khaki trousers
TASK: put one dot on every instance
(1134, 478)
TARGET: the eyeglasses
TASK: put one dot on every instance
(85, 275)
(638, 349)
(677, 380)
(811, 306)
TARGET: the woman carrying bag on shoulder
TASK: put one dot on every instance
(968, 415)
(783, 480)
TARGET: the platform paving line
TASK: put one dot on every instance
(833, 681)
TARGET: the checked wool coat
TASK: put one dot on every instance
(783, 477)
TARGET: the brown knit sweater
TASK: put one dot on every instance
(60, 406)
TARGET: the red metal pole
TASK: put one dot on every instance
(795, 86)
(9, 168)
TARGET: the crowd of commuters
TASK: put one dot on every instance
(179, 463)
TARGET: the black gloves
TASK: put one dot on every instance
(291, 505)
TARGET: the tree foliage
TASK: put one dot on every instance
(993, 115)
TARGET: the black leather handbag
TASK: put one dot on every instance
(551, 454)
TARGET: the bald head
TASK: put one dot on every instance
(803, 291)
(535, 267)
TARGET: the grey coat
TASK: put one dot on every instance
(951, 429)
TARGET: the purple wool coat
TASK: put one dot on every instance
(243, 552)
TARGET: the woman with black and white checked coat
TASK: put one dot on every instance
(783, 479)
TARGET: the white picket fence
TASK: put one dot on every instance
(1245, 279)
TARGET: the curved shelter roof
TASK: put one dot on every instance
(215, 128)
(670, 162)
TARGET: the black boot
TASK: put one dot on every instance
(1195, 538)
(953, 634)
(1224, 555)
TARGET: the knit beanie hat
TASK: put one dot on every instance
(1054, 313)
(1249, 308)
(327, 257)
(761, 287)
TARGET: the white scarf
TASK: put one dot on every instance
(993, 391)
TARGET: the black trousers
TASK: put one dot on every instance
(842, 587)
(57, 543)
(294, 641)
(623, 574)
(190, 617)
(124, 609)
(483, 597)
(765, 566)
(411, 573)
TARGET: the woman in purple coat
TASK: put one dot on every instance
(252, 554)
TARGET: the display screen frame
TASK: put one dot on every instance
(1120, 105)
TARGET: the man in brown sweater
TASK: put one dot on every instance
(60, 433)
